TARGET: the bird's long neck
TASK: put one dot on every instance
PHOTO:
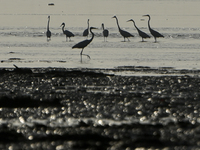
(102, 26)
(149, 23)
(92, 35)
(117, 23)
(48, 24)
(63, 28)
(135, 25)
(88, 25)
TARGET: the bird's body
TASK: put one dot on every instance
(141, 33)
(86, 31)
(125, 34)
(66, 32)
(48, 33)
(84, 43)
(153, 32)
(105, 32)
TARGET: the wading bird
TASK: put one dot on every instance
(153, 32)
(84, 43)
(48, 33)
(125, 34)
(105, 32)
(86, 31)
(66, 32)
(141, 33)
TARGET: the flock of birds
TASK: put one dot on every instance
(124, 33)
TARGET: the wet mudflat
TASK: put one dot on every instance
(57, 108)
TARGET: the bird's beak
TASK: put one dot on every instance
(113, 17)
(60, 25)
(144, 15)
(128, 20)
(93, 28)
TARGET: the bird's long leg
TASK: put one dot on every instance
(81, 58)
(142, 40)
(87, 55)
(84, 54)
(81, 54)
(155, 39)
(81, 51)
(66, 39)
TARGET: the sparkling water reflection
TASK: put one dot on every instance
(63, 105)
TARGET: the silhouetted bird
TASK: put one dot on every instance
(84, 43)
(105, 32)
(153, 32)
(125, 34)
(141, 33)
(66, 32)
(86, 31)
(48, 33)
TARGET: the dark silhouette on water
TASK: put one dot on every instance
(153, 32)
(84, 43)
(141, 33)
(51, 4)
(66, 32)
(105, 32)
(86, 31)
(22, 70)
(48, 33)
(125, 34)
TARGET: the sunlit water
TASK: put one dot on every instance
(149, 97)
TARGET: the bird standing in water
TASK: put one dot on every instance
(153, 32)
(86, 31)
(84, 43)
(66, 32)
(48, 33)
(105, 32)
(141, 33)
(125, 34)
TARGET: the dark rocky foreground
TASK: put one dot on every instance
(56, 108)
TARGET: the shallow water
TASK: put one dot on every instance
(128, 95)
(179, 50)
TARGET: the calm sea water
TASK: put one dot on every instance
(152, 100)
